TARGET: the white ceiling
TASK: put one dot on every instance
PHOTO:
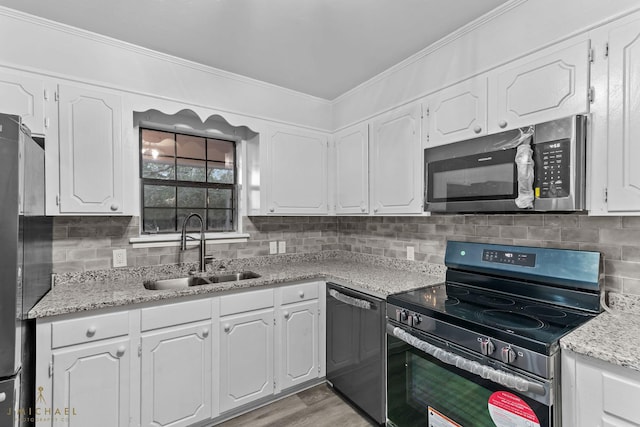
(319, 47)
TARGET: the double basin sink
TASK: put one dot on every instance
(185, 282)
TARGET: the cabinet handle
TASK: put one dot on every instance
(205, 332)
(478, 129)
(272, 209)
(301, 294)
(3, 397)
(286, 315)
(120, 351)
(91, 331)
(114, 207)
(227, 327)
(375, 209)
(362, 207)
(502, 124)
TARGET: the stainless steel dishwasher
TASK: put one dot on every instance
(356, 349)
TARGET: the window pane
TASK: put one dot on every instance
(189, 197)
(220, 220)
(191, 146)
(220, 198)
(159, 168)
(156, 143)
(159, 196)
(217, 172)
(221, 151)
(191, 170)
(194, 223)
(159, 220)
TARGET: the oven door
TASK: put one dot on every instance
(424, 390)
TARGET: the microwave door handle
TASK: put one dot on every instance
(486, 372)
(356, 302)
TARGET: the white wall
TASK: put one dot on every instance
(518, 28)
(34, 44)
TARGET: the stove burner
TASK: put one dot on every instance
(456, 292)
(543, 311)
(494, 300)
(510, 320)
(451, 301)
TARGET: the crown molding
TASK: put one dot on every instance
(99, 38)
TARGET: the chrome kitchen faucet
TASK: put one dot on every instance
(203, 246)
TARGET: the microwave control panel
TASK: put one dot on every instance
(552, 169)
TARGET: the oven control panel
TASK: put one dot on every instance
(408, 317)
(509, 257)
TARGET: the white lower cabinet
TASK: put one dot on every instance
(176, 367)
(91, 385)
(181, 363)
(598, 394)
(246, 358)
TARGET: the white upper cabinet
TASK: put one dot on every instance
(623, 172)
(456, 113)
(540, 87)
(25, 97)
(90, 151)
(396, 162)
(352, 170)
(296, 172)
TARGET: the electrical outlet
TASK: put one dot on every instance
(273, 248)
(119, 257)
(282, 247)
(411, 253)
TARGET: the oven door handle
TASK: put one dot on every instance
(356, 302)
(495, 375)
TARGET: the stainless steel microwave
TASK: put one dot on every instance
(480, 174)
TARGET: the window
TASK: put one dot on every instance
(183, 173)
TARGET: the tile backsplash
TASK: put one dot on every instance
(86, 243)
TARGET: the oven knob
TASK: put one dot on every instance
(401, 315)
(508, 355)
(487, 347)
(413, 319)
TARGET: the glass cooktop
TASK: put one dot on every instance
(498, 315)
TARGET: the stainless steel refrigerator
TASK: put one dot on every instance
(25, 265)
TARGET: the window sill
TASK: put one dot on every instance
(165, 240)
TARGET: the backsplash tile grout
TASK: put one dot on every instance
(86, 243)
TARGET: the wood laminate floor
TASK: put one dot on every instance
(315, 407)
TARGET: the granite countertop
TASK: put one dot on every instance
(376, 277)
(612, 337)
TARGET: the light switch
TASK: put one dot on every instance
(282, 247)
(119, 258)
(273, 248)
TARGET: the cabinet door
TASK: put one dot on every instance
(246, 358)
(298, 172)
(623, 179)
(92, 381)
(298, 353)
(176, 375)
(539, 88)
(457, 112)
(23, 96)
(396, 162)
(90, 151)
(352, 170)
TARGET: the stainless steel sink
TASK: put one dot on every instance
(185, 282)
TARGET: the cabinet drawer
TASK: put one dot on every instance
(246, 301)
(87, 329)
(297, 293)
(175, 314)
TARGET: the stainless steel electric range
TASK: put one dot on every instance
(482, 349)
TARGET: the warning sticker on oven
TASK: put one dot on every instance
(508, 410)
(436, 419)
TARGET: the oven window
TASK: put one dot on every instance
(422, 391)
(487, 176)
